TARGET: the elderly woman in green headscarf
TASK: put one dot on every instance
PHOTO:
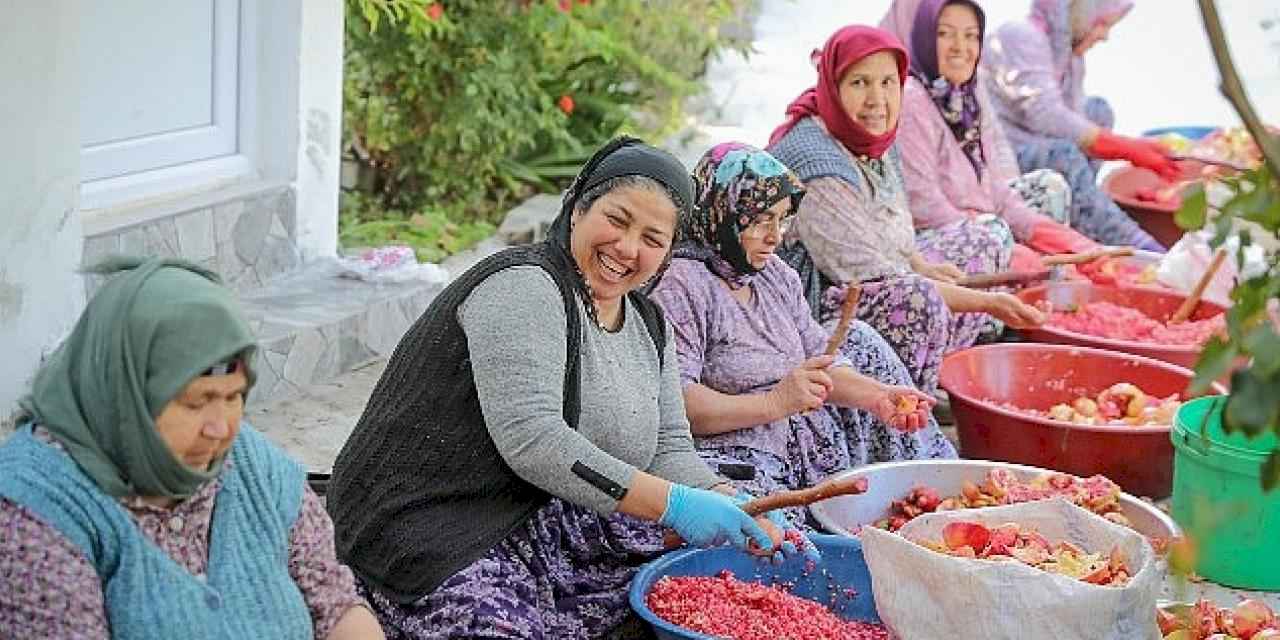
(134, 502)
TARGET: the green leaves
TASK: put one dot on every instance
(454, 107)
(1252, 208)
(1195, 206)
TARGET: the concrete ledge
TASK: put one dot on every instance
(313, 326)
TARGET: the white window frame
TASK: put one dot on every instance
(138, 170)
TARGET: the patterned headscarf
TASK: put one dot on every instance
(735, 183)
(843, 49)
(957, 103)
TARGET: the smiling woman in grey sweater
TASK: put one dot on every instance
(528, 440)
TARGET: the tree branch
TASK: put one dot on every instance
(1233, 88)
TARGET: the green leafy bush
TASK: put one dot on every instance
(459, 107)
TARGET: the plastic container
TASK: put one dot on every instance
(1155, 303)
(981, 379)
(1218, 499)
(1191, 132)
(842, 563)
(889, 481)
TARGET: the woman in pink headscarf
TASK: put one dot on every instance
(854, 226)
(1034, 73)
(959, 167)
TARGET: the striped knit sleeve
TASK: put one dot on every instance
(832, 225)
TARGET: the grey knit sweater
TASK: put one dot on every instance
(632, 411)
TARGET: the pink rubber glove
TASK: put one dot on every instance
(1050, 237)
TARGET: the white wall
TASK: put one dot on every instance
(40, 234)
(319, 154)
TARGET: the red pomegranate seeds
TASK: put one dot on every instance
(1108, 320)
(725, 607)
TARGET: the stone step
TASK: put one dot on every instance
(313, 325)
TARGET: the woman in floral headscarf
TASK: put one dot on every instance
(1034, 72)
(758, 388)
(854, 225)
(959, 166)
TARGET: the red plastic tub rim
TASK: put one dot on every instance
(988, 405)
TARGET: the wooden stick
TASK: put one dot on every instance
(1088, 256)
(1013, 278)
(830, 488)
(851, 294)
(1189, 304)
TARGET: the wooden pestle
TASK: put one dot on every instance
(1023, 278)
(852, 293)
(829, 488)
(1191, 301)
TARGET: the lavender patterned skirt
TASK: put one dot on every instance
(563, 573)
(910, 313)
(834, 439)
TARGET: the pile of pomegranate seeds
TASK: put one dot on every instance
(725, 607)
(1097, 494)
(1248, 620)
(1012, 540)
(1108, 320)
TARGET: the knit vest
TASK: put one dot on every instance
(247, 591)
(811, 152)
(419, 490)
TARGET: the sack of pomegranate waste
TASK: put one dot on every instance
(1048, 570)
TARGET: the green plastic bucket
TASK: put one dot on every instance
(1218, 498)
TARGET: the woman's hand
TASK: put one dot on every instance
(940, 271)
(903, 408)
(1009, 309)
(706, 518)
(804, 388)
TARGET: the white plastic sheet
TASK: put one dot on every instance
(924, 595)
(1187, 260)
(390, 264)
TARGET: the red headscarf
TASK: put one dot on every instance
(845, 48)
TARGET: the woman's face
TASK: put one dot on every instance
(871, 92)
(622, 240)
(200, 423)
(1099, 32)
(761, 239)
(958, 43)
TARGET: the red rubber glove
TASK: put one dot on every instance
(1050, 237)
(1147, 154)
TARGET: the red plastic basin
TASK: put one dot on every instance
(1156, 218)
(1037, 376)
(1155, 303)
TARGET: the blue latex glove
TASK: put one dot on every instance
(780, 521)
(706, 519)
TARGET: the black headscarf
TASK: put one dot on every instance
(622, 156)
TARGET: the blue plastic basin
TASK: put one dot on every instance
(841, 560)
(1189, 132)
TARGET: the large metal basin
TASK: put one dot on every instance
(889, 481)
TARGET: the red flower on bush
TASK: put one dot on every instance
(566, 104)
(434, 10)
(565, 5)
